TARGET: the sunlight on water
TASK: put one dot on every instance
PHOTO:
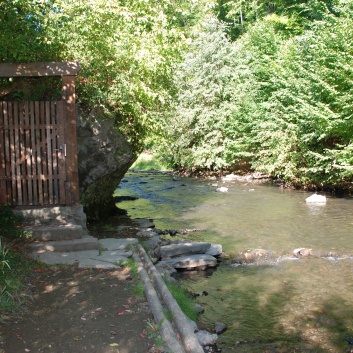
(300, 303)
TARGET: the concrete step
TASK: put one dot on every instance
(85, 243)
(87, 252)
(66, 231)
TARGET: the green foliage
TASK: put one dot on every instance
(130, 265)
(196, 128)
(139, 290)
(148, 161)
(14, 264)
(23, 25)
(10, 223)
(127, 49)
(270, 85)
(279, 96)
(294, 16)
(307, 114)
(15, 268)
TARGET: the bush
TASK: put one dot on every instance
(14, 266)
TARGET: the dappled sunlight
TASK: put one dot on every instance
(80, 310)
(290, 303)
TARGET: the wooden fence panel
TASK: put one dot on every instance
(32, 159)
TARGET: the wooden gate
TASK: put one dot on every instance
(38, 148)
(32, 151)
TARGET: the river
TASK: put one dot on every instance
(277, 303)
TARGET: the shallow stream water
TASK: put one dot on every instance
(277, 303)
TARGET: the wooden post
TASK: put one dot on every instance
(68, 97)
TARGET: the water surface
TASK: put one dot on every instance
(275, 304)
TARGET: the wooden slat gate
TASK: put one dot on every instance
(38, 145)
(32, 153)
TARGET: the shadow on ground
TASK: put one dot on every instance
(80, 311)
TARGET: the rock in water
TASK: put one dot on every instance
(205, 338)
(302, 252)
(197, 261)
(222, 189)
(316, 199)
(187, 248)
(220, 327)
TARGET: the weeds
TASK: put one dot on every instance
(153, 333)
(4, 263)
(108, 227)
(139, 290)
(131, 265)
(15, 269)
(14, 264)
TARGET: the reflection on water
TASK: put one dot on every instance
(283, 306)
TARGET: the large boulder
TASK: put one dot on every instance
(104, 156)
(191, 262)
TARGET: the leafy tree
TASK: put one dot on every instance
(277, 98)
(294, 15)
(127, 50)
(22, 31)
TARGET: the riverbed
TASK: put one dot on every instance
(276, 302)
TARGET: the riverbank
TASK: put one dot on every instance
(51, 289)
(344, 189)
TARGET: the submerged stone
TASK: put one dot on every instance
(220, 327)
(222, 189)
(316, 199)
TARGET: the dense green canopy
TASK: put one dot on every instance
(273, 90)
(127, 50)
(212, 84)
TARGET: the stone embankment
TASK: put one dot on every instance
(167, 257)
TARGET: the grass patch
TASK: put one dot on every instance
(139, 290)
(15, 266)
(15, 270)
(130, 264)
(153, 333)
(147, 161)
(184, 300)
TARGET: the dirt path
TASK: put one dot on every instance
(76, 311)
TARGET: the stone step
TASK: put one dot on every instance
(85, 243)
(87, 252)
(67, 231)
